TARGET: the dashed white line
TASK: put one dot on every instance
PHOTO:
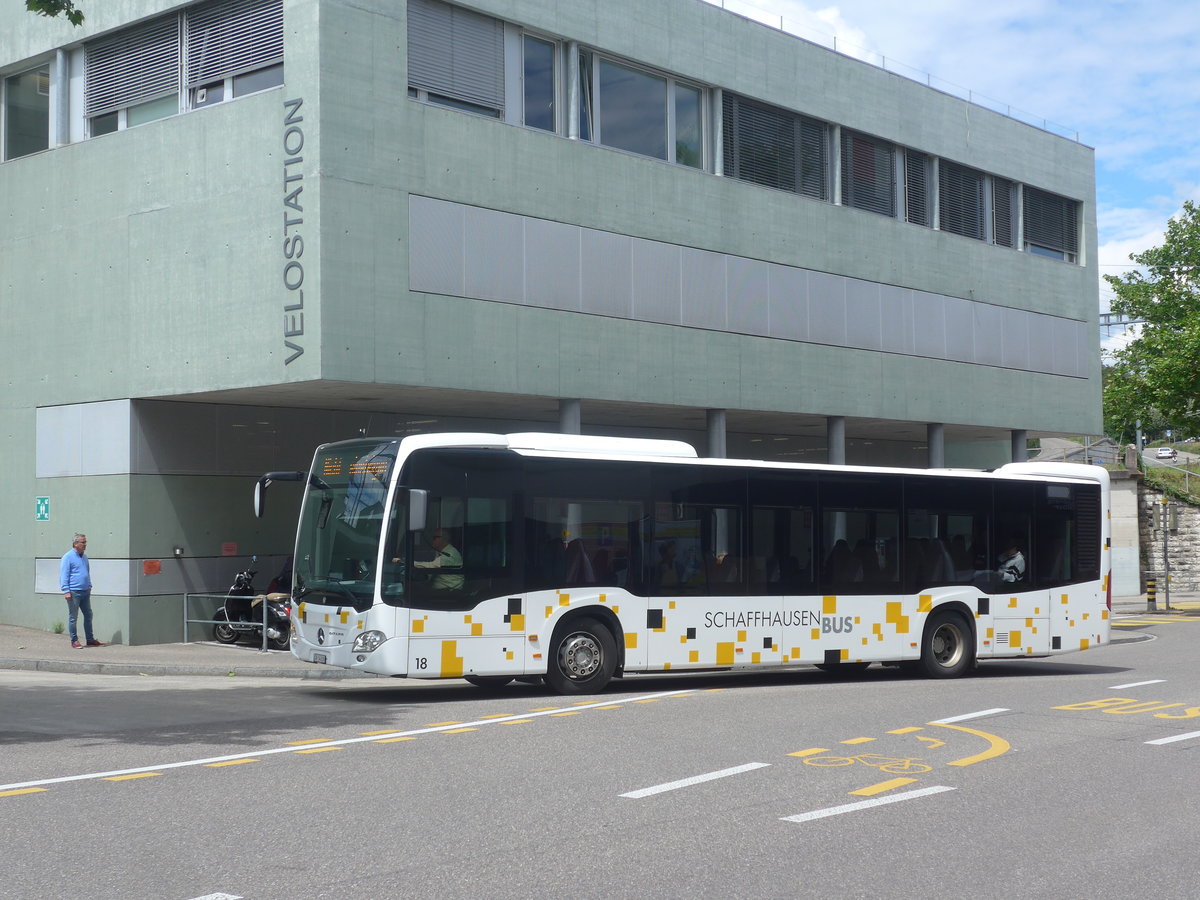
(866, 804)
(695, 779)
(1121, 687)
(974, 715)
(1178, 737)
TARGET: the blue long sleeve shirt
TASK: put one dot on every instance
(74, 572)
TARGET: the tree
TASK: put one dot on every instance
(53, 8)
(1157, 375)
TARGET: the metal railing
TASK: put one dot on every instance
(220, 605)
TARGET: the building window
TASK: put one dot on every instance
(540, 85)
(868, 173)
(688, 126)
(27, 112)
(136, 68)
(218, 50)
(1051, 225)
(773, 147)
(918, 205)
(960, 200)
(455, 57)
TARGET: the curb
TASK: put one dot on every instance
(85, 668)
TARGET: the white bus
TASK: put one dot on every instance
(578, 559)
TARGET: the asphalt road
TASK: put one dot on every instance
(1028, 779)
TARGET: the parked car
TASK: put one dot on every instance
(1166, 453)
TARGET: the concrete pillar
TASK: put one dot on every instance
(935, 437)
(716, 434)
(1020, 439)
(569, 419)
(835, 436)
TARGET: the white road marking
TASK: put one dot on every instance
(974, 715)
(1178, 737)
(219, 897)
(866, 804)
(695, 779)
(91, 776)
(1121, 687)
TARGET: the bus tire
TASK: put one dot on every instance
(948, 646)
(490, 682)
(583, 657)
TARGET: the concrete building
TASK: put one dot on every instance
(233, 229)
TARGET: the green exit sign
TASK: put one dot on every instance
(41, 509)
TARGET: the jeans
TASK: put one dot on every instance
(80, 601)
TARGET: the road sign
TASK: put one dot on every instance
(41, 509)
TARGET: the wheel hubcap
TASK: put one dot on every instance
(580, 656)
(947, 645)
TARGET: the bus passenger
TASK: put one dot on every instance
(1012, 563)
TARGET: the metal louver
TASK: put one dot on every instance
(136, 65)
(230, 37)
(456, 53)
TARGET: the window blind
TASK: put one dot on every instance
(773, 147)
(1003, 225)
(231, 37)
(1051, 221)
(133, 66)
(456, 53)
(917, 207)
(868, 173)
(960, 200)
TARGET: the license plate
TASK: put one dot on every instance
(320, 658)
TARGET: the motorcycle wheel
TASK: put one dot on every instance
(223, 632)
(279, 643)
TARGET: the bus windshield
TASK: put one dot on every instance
(340, 523)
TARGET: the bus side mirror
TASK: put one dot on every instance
(260, 488)
(418, 503)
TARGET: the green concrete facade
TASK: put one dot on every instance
(151, 266)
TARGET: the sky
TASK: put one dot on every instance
(1123, 75)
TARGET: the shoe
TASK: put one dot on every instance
(95, 644)
(75, 645)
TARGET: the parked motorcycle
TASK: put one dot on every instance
(242, 616)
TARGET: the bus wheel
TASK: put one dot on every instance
(488, 681)
(583, 657)
(947, 648)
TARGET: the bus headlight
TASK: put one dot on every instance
(368, 641)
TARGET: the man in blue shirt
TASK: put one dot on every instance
(75, 581)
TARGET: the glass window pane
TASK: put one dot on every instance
(252, 82)
(688, 148)
(633, 110)
(27, 113)
(208, 94)
(149, 112)
(105, 124)
(539, 84)
(585, 96)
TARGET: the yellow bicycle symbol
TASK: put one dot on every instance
(895, 765)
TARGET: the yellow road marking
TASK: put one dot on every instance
(607, 707)
(440, 724)
(496, 716)
(319, 750)
(229, 762)
(459, 730)
(998, 746)
(543, 708)
(909, 730)
(393, 740)
(569, 712)
(312, 741)
(860, 740)
(810, 751)
(517, 722)
(651, 700)
(882, 787)
(22, 791)
(132, 777)
(384, 731)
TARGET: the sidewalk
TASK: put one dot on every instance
(31, 649)
(28, 648)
